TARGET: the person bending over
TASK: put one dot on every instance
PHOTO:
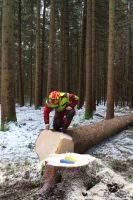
(64, 106)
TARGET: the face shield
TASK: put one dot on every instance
(53, 102)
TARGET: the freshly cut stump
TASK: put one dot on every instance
(49, 142)
(71, 173)
(79, 160)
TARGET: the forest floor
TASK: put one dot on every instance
(117, 153)
(20, 170)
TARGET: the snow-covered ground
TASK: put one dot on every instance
(17, 145)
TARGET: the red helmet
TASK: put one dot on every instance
(54, 98)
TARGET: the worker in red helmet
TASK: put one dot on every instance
(64, 106)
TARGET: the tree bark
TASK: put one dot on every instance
(61, 86)
(88, 105)
(93, 55)
(38, 101)
(130, 56)
(82, 76)
(21, 78)
(66, 46)
(84, 137)
(31, 56)
(51, 53)
(7, 84)
(110, 79)
(43, 70)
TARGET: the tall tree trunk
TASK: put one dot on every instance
(110, 79)
(105, 53)
(43, 71)
(93, 56)
(38, 80)
(81, 86)
(66, 46)
(21, 82)
(31, 57)
(51, 53)
(0, 43)
(130, 55)
(88, 106)
(121, 69)
(61, 64)
(7, 85)
(97, 75)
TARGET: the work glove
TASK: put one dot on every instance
(47, 126)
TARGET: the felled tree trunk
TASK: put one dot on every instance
(84, 137)
(79, 139)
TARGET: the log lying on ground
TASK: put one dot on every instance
(84, 137)
(80, 139)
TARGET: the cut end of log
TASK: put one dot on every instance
(50, 142)
(68, 160)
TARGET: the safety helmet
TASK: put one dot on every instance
(54, 98)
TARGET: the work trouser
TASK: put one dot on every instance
(63, 119)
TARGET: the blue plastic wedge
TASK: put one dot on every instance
(66, 161)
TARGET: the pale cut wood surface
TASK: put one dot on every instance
(80, 160)
(50, 142)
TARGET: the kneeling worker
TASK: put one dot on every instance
(63, 104)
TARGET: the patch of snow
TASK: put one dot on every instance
(17, 145)
(119, 147)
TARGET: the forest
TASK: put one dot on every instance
(83, 47)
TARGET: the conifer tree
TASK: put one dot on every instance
(7, 83)
(110, 79)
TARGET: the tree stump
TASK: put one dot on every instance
(89, 181)
(72, 176)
